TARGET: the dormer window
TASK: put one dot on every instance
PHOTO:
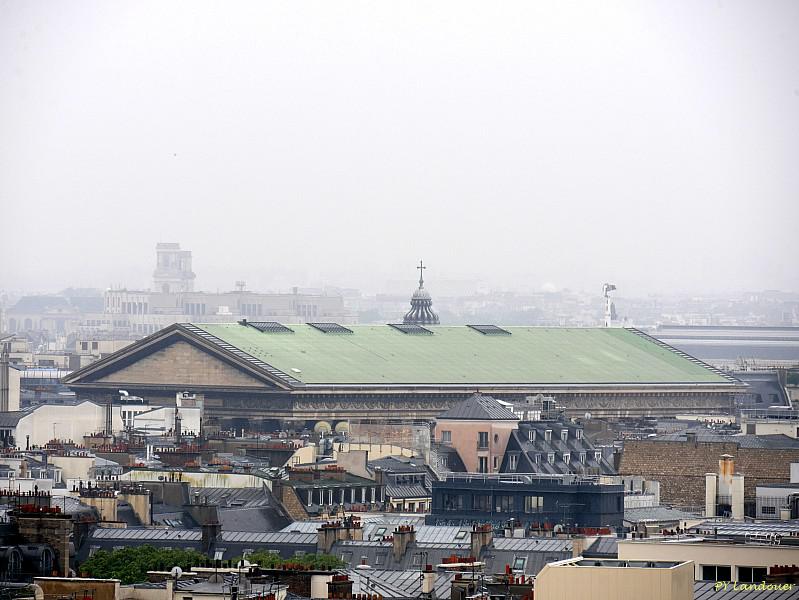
(564, 434)
(567, 457)
(531, 435)
(597, 456)
(537, 459)
(548, 435)
(551, 457)
(582, 457)
(578, 434)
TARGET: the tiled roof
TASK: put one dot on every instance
(479, 407)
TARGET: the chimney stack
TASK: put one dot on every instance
(404, 536)
(482, 537)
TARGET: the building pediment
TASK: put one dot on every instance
(174, 359)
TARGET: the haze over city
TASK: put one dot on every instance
(335, 143)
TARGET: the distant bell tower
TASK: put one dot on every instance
(173, 274)
(610, 307)
(421, 312)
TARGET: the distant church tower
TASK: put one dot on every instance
(173, 274)
(421, 312)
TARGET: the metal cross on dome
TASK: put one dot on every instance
(421, 268)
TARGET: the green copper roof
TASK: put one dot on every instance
(380, 354)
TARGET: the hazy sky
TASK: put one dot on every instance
(652, 144)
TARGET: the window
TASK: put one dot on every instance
(346, 557)
(461, 535)
(452, 501)
(716, 573)
(550, 457)
(531, 435)
(380, 532)
(537, 458)
(548, 435)
(496, 463)
(84, 345)
(768, 510)
(496, 438)
(582, 457)
(578, 434)
(598, 455)
(446, 437)
(567, 457)
(299, 553)
(503, 504)
(482, 502)
(564, 434)
(513, 461)
(482, 439)
(94, 345)
(519, 562)
(482, 464)
(752, 574)
(219, 554)
(533, 504)
(380, 558)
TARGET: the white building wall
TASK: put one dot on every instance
(63, 422)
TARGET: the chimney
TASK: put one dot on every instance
(340, 586)
(711, 481)
(726, 471)
(428, 581)
(404, 536)
(482, 537)
(210, 533)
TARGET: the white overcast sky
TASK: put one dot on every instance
(652, 144)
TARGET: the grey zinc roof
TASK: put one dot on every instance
(655, 514)
(744, 441)
(533, 544)
(479, 407)
(407, 491)
(603, 547)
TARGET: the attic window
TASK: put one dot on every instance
(411, 329)
(489, 329)
(597, 456)
(460, 535)
(578, 434)
(564, 434)
(548, 435)
(266, 326)
(531, 435)
(381, 531)
(331, 328)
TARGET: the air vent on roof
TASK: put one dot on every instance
(411, 329)
(330, 328)
(267, 326)
(489, 329)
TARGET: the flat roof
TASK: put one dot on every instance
(382, 355)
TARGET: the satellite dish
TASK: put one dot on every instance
(588, 416)
(176, 572)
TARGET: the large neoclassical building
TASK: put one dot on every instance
(330, 372)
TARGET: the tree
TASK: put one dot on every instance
(130, 565)
(320, 562)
